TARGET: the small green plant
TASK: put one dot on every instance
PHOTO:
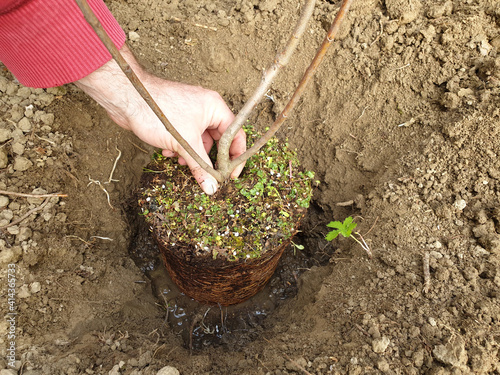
(296, 247)
(346, 229)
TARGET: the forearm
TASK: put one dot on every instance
(110, 88)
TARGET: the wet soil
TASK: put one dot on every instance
(401, 126)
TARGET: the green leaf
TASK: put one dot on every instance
(345, 228)
(332, 235)
(335, 224)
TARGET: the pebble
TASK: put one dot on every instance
(10, 255)
(24, 234)
(383, 365)
(24, 92)
(7, 215)
(4, 201)
(4, 159)
(453, 353)
(168, 370)
(21, 164)
(28, 111)
(24, 124)
(23, 292)
(47, 118)
(460, 204)
(5, 134)
(35, 287)
(18, 148)
(115, 370)
(133, 36)
(13, 230)
(381, 344)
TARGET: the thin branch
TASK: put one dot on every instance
(125, 67)
(26, 215)
(300, 88)
(427, 273)
(5, 192)
(281, 60)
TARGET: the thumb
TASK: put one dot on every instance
(206, 181)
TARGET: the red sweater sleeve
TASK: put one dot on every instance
(47, 43)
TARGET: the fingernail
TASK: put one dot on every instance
(209, 186)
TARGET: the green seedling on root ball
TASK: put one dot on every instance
(346, 229)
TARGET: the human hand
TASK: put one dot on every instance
(199, 115)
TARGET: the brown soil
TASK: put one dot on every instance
(403, 120)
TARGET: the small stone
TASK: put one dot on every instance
(450, 100)
(7, 215)
(28, 111)
(268, 5)
(14, 229)
(133, 362)
(429, 33)
(453, 353)
(418, 358)
(381, 344)
(404, 10)
(23, 292)
(21, 164)
(383, 365)
(439, 10)
(4, 159)
(168, 370)
(24, 124)
(115, 370)
(374, 332)
(35, 287)
(10, 255)
(133, 36)
(432, 321)
(460, 204)
(5, 135)
(24, 234)
(47, 118)
(18, 148)
(24, 92)
(4, 201)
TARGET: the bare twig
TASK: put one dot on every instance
(125, 67)
(138, 147)
(297, 365)
(5, 192)
(427, 273)
(300, 88)
(27, 214)
(260, 92)
(345, 204)
(176, 19)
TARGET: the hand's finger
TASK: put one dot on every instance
(208, 141)
(169, 154)
(207, 182)
(237, 148)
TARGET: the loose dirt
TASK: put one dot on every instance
(401, 126)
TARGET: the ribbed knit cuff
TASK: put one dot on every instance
(47, 43)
